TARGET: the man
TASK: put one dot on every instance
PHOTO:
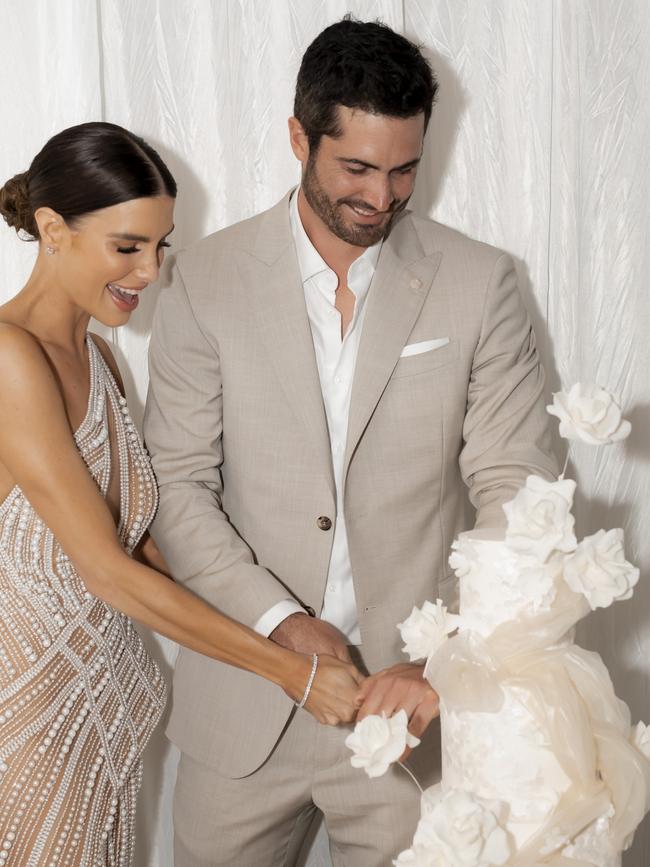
(324, 377)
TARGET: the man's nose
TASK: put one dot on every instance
(379, 194)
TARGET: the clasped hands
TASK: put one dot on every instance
(341, 694)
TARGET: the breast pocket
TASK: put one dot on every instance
(411, 365)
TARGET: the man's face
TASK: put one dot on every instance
(355, 184)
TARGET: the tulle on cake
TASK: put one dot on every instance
(532, 720)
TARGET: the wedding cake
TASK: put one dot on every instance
(530, 721)
(540, 762)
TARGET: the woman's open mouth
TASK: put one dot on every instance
(125, 299)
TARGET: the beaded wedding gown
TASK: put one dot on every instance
(79, 694)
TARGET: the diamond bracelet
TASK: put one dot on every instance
(314, 666)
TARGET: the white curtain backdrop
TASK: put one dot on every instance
(537, 145)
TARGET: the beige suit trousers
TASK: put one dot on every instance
(262, 820)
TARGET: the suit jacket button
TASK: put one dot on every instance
(324, 523)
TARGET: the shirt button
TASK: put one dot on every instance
(415, 283)
(331, 588)
(338, 380)
(324, 523)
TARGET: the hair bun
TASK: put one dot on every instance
(15, 206)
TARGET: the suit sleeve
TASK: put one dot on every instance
(183, 428)
(506, 431)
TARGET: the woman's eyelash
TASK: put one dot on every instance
(137, 249)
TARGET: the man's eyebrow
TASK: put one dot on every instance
(129, 236)
(365, 165)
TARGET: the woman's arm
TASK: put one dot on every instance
(38, 450)
(148, 553)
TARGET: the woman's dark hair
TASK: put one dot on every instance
(363, 65)
(85, 168)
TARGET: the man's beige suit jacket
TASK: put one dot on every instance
(236, 427)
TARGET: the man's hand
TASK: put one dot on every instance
(306, 634)
(401, 686)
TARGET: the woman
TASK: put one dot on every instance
(79, 695)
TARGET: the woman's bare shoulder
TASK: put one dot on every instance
(18, 344)
(29, 385)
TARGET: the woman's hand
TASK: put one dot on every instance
(333, 695)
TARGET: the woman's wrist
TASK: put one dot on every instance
(310, 682)
(293, 673)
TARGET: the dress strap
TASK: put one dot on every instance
(94, 410)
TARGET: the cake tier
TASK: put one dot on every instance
(499, 682)
(503, 756)
(498, 585)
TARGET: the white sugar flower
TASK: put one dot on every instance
(378, 741)
(426, 629)
(457, 830)
(589, 413)
(540, 519)
(641, 739)
(459, 560)
(598, 569)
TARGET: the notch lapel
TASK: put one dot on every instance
(273, 272)
(400, 287)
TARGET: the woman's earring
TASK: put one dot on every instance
(50, 251)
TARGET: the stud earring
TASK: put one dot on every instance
(50, 251)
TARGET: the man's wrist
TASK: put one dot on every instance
(285, 627)
(271, 619)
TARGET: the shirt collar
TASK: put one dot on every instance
(312, 263)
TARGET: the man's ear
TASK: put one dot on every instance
(298, 139)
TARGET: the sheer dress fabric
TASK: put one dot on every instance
(79, 693)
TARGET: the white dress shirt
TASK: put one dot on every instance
(336, 360)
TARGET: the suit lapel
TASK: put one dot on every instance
(283, 324)
(400, 286)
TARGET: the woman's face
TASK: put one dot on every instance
(113, 254)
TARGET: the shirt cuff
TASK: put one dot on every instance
(275, 615)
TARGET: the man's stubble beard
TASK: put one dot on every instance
(330, 212)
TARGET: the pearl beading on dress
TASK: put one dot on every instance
(79, 694)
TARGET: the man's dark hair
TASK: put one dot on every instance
(363, 65)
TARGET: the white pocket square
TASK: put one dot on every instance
(424, 346)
